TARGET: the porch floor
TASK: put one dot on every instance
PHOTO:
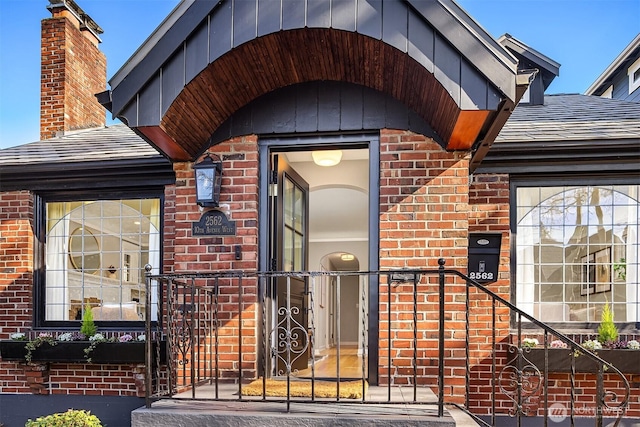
(185, 411)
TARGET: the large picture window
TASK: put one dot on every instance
(577, 250)
(95, 254)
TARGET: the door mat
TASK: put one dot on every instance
(302, 388)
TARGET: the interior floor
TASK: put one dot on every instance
(326, 364)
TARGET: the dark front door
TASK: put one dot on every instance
(289, 248)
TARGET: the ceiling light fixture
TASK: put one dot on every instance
(347, 257)
(326, 157)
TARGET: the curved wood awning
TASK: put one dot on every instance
(210, 61)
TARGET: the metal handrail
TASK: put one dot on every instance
(522, 368)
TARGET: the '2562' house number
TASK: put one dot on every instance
(213, 223)
(482, 273)
(485, 275)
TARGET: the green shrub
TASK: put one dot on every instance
(607, 331)
(71, 418)
(88, 327)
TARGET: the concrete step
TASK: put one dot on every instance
(192, 413)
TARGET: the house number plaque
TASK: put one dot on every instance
(213, 223)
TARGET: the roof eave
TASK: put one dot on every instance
(492, 60)
(523, 80)
(613, 67)
(150, 42)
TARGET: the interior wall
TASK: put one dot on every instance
(322, 319)
(349, 310)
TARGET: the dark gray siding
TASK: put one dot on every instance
(232, 23)
(322, 106)
(621, 88)
(16, 409)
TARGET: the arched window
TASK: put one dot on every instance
(95, 254)
(577, 250)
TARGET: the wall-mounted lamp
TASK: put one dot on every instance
(208, 179)
(326, 157)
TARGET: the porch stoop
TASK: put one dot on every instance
(190, 413)
(200, 407)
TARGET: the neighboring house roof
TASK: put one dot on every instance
(105, 154)
(584, 132)
(547, 67)
(622, 61)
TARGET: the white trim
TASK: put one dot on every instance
(526, 97)
(614, 66)
(634, 76)
(607, 93)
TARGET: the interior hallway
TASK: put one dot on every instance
(326, 365)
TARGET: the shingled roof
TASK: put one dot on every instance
(585, 131)
(571, 118)
(111, 155)
(115, 142)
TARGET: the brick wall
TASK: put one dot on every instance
(239, 200)
(16, 262)
(16, 306)
(489, 212)
(72, 70)
(585, 400)
(78, 379)
(423, 217)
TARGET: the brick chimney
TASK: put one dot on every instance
(73, 69)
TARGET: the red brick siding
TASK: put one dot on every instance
(489, 212)
(73, 70)
(585, 398)
(16, 306)
(16, 262)
(239, 200)
(60, 378)
(423, 217)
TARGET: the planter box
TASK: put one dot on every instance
(73, 352)
(627, 361)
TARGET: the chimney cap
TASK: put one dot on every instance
(86, 23)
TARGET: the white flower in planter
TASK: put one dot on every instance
(592, 345)
(18, 336)
(97, 337)
(142, 337)
(530, 342)
(67, 336)
(633, 345)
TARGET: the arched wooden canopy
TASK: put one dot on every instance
(209, 60)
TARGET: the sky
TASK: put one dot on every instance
(584, 36)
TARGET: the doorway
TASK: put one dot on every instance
(340, 208)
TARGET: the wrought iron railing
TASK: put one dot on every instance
(426, 331)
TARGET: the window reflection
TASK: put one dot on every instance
(95, 255)
(572, 244)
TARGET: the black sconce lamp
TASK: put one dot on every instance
(208, 179)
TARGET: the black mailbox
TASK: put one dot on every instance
(484, 256)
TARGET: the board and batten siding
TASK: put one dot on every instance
(233, 23)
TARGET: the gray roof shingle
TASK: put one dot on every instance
(571, 118)
(112, 157)
(116, 142)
